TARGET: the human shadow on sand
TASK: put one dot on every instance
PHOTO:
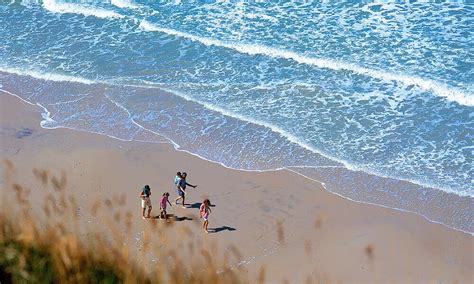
(220, 229)
(196, 205)
(173, 217)
(184, 218)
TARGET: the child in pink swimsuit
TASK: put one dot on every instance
(164, 199)
(205, 210)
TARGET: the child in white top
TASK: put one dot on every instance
(205, 210)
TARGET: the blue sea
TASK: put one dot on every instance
(373, 99)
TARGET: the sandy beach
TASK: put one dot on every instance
(276, 219)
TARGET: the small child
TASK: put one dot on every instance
(163, 201)
(205, 210)
(177, 178)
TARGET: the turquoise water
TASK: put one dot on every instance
(382, 88)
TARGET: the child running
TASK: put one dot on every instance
(163, 201)
(205, 210)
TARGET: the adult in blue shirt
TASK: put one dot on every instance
(182, 188)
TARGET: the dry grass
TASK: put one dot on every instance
(53, 243)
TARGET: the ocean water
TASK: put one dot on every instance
(383, 90)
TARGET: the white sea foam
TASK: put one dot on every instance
(293, 139)
(436, 88)
(17, 96)
(124, 4)
(63, 8)
(290, 137)
(46, 115)
(46, 76)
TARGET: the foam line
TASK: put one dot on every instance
(17, 96)
(64, 8)
(70, 101)
(46, 115)
(436, 88)
(292, 139)
(130, 116)
(177, 146)
(46, 76)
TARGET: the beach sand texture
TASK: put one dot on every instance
(276, 219)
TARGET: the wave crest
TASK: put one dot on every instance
(46, 76)
(124, 4)
(65, 8)
(436, 88)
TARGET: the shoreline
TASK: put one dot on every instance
(344, 164)
(276, 129)
(335, 230)
(386, 207)
(45, 114)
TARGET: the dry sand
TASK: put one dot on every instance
(278, 219)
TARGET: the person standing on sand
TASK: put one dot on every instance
(182, 188)
(163, 201)
(205, 210)
(146, 201)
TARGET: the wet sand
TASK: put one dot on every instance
(277, 219)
